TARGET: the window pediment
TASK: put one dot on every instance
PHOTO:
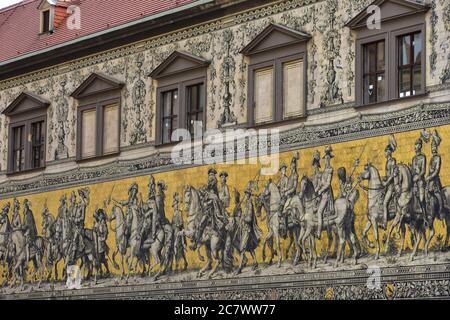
(26, 102)
(275, 36)
(389, 9)
(96, 83)
(178, 62)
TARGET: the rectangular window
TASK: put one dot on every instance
(111, 129)
(170, 114)
(195, 105)
(263, 96)
(374, 77)
(88, 133)
(293, 102)
(19, 149)
(37, 144)
(46, 21)
(410, 64)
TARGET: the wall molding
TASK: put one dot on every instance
(405, 282)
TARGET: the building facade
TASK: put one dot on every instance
(358, 91)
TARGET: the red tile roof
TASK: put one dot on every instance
(19, 23)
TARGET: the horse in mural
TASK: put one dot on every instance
(211, 239)
(120, 237)
(408, 208)
(269, 199)
(156, 247)
(339, 222)
(53, 249)
(17, 258)
(399, 211)
(87, 253)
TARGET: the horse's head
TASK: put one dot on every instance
(306, 188)
(366, 173)
(262, 199)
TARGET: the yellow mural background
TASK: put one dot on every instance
(239, 174)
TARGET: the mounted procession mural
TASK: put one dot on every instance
(382, 200)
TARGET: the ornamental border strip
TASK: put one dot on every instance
(400, 276)
(355, 128)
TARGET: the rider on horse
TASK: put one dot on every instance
(178, 227)
(214, 213)
(325, 191)
(100, 231)
(433, 180)
(29, 228)
(16, 222)
(388, 181)
(78, 218)
(291, 186)
(419, 163)
(224, 191)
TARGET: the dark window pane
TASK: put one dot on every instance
(405, 50)
(46, 21)
(374, 68)
(371, 58)
(201, 104)
(37, 144)
(417, 81)
(167, 104)
(370, 89)
(380, 56)
(170, 112)
(417, 48)
(195, 106)
(18, 150)
(166, 131)
(381, 87)
(405, 82)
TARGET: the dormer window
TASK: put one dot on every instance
(45, 19)
(27, 116)
(181, 96)
(390, 61)
(276, 75)
(98, 117)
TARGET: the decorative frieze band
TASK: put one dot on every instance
(416, 117)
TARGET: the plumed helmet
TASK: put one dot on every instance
(162, 184)
(392, 144)
(223, 174)
(329, 152)
(436, 139)
(316, 158)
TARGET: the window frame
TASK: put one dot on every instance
(277, 63)
(390, 34)
(179, 83)
(99, 106)
(403, 32)
(26, 120)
